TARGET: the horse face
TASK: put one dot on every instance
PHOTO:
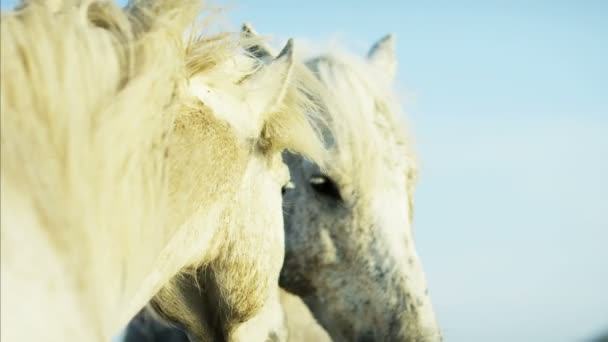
(350, 251)
(233, 294)
(350, 255)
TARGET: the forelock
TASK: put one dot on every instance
(293, 124)
(364, 116)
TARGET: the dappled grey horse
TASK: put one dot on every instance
(350, 251)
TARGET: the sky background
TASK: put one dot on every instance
(508, 101)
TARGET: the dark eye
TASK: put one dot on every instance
(325, 186)
(288, 186)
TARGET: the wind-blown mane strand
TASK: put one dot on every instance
(361, 94)
(86, 98)
(124, 148)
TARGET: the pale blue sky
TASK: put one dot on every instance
(509, 104)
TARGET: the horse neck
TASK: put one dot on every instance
(199, 192)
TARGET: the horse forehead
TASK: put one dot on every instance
(232, 69)
(366, 129)
(227, 102)
(370, 169)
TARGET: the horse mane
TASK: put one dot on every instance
(364, 115)
(89, 98)
(289, 125)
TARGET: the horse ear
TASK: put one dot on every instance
(247, 30)
(382, 55)
(258, 94)
(258, 48)
(268, 85)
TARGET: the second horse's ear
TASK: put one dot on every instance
(382, 55)
(257, 48)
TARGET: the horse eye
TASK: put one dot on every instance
(288, 186)
(325, 186)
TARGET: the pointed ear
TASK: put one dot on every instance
(268, 85)
(247, 30)
(382, 55)
(257, 48)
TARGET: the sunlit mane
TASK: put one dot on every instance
(364, 115)
(289, 125)
(92, 99)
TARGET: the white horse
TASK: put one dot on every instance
(350, 252)
(133, 162)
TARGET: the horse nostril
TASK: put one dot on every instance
(368, 336)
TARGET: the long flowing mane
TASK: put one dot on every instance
(92, 99)
(86, 111)
(364, 113)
